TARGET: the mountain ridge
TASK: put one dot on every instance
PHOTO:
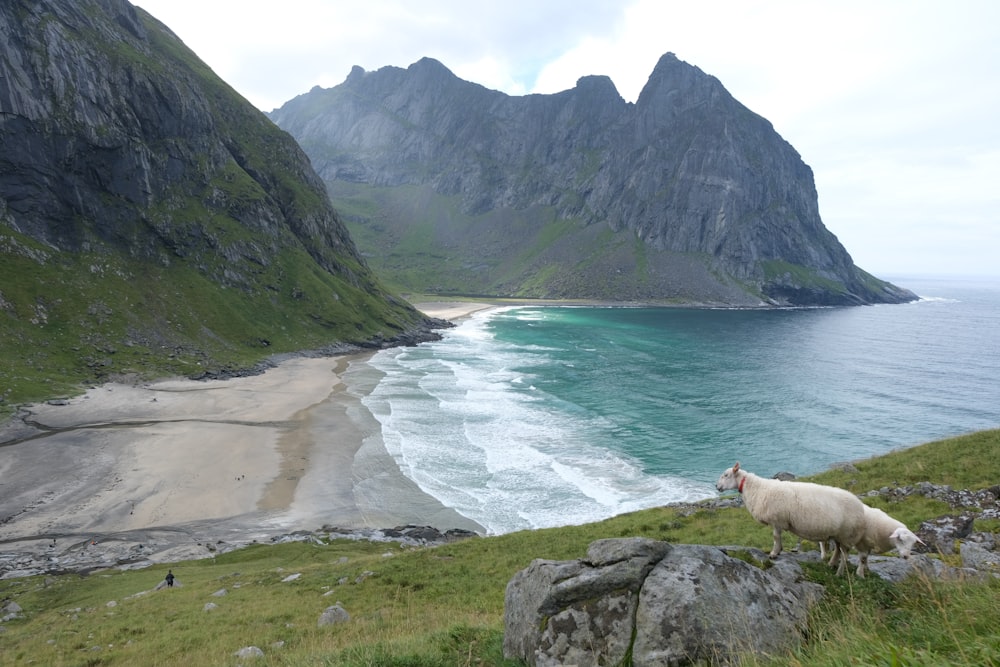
(152, 221)
(723, 208)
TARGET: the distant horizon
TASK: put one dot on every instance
(893, 275)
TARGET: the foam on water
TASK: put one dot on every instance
(485, 441)
(534, 417)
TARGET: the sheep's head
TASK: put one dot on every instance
(730, 479)
(903, 540)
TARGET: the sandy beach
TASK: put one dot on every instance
(290, 449)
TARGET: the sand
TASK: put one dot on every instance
(290, 449)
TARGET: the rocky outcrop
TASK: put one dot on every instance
(154, 211)
(685, 194)
(644, 602)
(659, 603)
(138, 549)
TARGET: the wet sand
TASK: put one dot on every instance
(290, 449)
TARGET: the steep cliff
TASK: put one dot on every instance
(151, 220)
(684, 195)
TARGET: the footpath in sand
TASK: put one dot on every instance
(185, 462)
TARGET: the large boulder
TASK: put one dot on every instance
(660, 603)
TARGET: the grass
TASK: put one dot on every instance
(443, 606)
(73, 318)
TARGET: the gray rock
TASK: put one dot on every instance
(249, 652)
(700, 604)
(661, 602)
(942, 535)
(333, 615)
(977, 556)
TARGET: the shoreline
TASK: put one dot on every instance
(290, 449)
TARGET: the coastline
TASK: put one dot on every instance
(290, 449)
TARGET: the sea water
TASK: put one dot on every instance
(528, 417)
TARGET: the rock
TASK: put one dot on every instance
(333, 615)
(661, 603)
(977, 556)
(897, 569)
(249, 652)
(209, 606)
(409, 535)
(11, 611)
(140, 549)
(941, 535)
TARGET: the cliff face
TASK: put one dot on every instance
(147, 211)
(722, 208)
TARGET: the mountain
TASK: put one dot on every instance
(683, 196)
(151, 220)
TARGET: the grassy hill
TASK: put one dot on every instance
(443, 606)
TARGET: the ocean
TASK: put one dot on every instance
(530, 417)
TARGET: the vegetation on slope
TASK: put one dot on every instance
(420, 241)
(70, 318)
(182, 233)
(443, 606)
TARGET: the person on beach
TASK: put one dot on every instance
(170, 578)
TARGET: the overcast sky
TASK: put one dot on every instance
(894, 104)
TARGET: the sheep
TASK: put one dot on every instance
(812, 511)
(883, 533)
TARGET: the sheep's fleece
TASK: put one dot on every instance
(813, 511)
(883, 533)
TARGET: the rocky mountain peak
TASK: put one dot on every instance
(704, 200)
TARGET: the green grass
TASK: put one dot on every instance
(72, 319)
(443, 606)
(775, 270)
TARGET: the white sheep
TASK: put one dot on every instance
(883, 533)
(812, 511)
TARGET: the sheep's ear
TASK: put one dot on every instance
(736, 468)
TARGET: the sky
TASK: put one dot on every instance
(894, 104)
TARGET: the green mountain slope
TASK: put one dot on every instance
(151, 220)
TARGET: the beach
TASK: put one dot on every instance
(290, 449)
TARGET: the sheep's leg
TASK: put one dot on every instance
(822, 549)
(862, 563)
(839, 558)
(776, 549)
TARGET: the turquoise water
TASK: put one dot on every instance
(531, 417)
